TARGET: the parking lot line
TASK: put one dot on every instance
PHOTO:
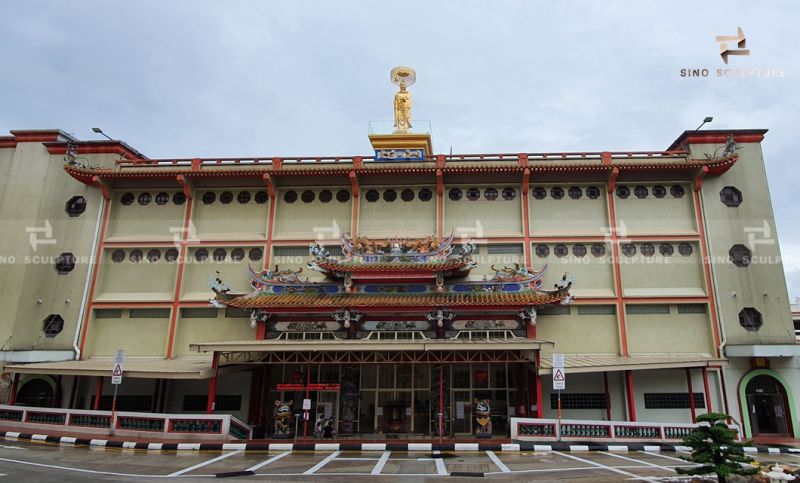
(599, 465)
(687, 463)
(322, 463)
(497, 462)
(440, 467)
(204, 463)
(646, 463)
(79, 470)
(381, 463)
(265, 463)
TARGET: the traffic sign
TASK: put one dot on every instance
(120, 357)
(558, 360)
(306, 404)
(559, 378)
(116, 374)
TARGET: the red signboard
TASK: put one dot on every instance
(311, 387)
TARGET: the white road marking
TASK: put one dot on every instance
(265, 463)
(497, 462)
(10, 447)
(671, 458)
(79, 470)
(204, 463)
(322, 463)
(646, 463)
(381, 463)
(596, 464)
(440, 467)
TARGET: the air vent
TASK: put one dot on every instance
(691, 308)
(149, 313)
(596, 310)
(301, 251)
(553, 310)
(647, 309)
(199, 313)
(505, 250)
(236, 312)
(108, 313)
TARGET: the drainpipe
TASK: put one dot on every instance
(92, 261)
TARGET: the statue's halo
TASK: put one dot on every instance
(403, 74)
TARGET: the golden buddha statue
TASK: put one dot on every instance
(402, 77)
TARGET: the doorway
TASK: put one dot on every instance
(767, 405)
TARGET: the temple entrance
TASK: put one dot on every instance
(767, 406)
(36, 393)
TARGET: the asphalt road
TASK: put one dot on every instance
(41, 462)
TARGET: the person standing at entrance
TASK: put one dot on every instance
(327, 431)
(318, 425)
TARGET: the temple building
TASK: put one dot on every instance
(402, 293)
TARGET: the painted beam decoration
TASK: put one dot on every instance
(394, 155)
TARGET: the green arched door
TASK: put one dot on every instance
(767, 406)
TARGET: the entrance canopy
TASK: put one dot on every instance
(145, 368)
(576, 363)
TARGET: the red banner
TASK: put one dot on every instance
(311, 387)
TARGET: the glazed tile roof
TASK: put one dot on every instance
(355, 266)
(265, 300)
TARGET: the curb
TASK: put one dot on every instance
(506, 447)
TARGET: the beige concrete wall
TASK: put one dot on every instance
(635, 216)
(486, 256)
(231, 221)
(569, 332)
(234, 273)
(398, 218)
(150, 222)
(314, 220)
(751, 224)
(196, 330)
(482, 217)
(594, 275)
(661, 275)
(108, 335)
(673, 333)
(135, 281)
(568, 216)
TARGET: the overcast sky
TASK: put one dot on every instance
(195, 78)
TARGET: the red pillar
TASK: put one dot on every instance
(630, 395)
(608, 397)
(12, 397)
(306, 413)
(212, 384)
(691, 394)
(707, 392)
(98, 393)
(441, 401)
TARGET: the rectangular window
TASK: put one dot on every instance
(149, 313)
(222, 402)
(108, 313)
(647, 309)
(672, 400)
(553, 310)
(199, 313)
(300, 251)
(127, 403)
(504, 249)
(691, 308)
(236, 312)
(587, 400)
(597, 309)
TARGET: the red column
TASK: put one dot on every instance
(12, 397)
(212, 384)
(608, 398)
(441, 401)
(98, 393)
(306, 413)
(707, 392)
(630, 396)
(691, 394)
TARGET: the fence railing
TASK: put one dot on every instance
(529, 429)
(167, 426)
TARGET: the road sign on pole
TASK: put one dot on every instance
(559, 379)
(558, 361)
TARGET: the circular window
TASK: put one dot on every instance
(490, 194)
(209, 197)
(407, 195)
(560, 250)
(261, 197)
(75, 206)
(290, 196)
(628, 249)
(65, 263)
(127, 199)
(750, 318)
(243, 197)
(598, 249)
(117, 256)
(685, 249)
(425, 194)
(220, 254)
(372, 196)
(730, 196)
(579, 250)
(308, 196)
(179, 198)
(647, 249)
(593, 192)
(454, 194)
(640, 192)
(542, 251)
(171, 255)
(740, 255)
(389, 195)
(623, 192)
(557, 192)
(509, 194)
(226, 197)
(136, 256)
(539, 193)
(659, 191)
(342, 196)
(666, 249)
(575, 193)
(473, 194)
(153, 255)
(325, 196)
(144, 198)
(237, 254)
(201, 255)
(162, 198)
(255, 254)
(677, 191)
